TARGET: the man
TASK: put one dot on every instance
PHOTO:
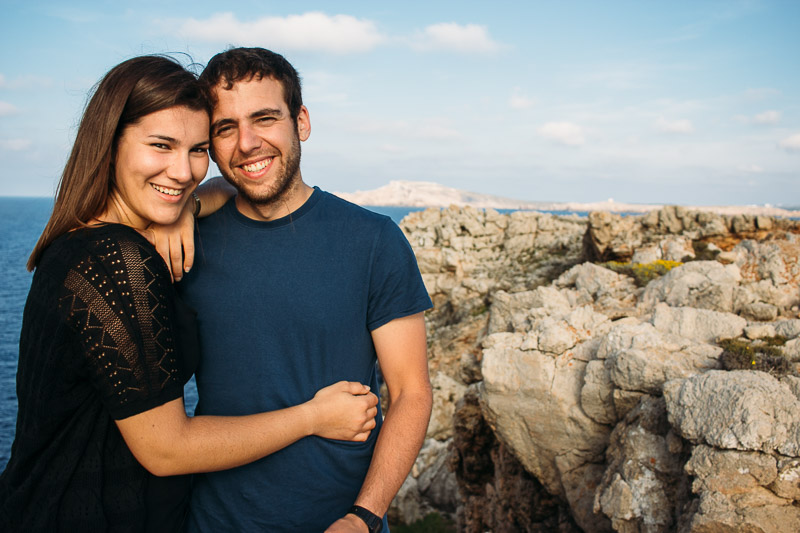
(296, 289)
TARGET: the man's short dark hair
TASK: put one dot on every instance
(237, 64)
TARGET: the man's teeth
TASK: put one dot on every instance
(171, 192)
(260, 165)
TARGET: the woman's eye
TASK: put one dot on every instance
(200, 150)
(160, 146)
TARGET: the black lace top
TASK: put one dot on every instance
(103, 337)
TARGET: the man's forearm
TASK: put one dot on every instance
(402, 351)
(213, 194)
(399, 442)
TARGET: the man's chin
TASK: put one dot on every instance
(263, 201)
(257, 198)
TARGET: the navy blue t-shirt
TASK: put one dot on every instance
(285, 308)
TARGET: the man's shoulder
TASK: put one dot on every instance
(219, 215)
(344, 208)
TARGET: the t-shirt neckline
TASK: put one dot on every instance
(316, 196)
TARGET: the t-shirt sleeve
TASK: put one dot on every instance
(396, 288)
(118, 303)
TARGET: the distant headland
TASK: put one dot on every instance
(428, 194)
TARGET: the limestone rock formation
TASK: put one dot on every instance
(568, 399)
(645, 483)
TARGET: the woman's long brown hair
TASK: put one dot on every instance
(128, 92)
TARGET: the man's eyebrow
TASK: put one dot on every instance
(222, 122)
(266, 112)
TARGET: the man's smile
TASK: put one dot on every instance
(258, 165)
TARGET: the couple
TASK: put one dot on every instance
(296, 294)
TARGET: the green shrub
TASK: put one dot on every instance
(642, 273)
(740, 354)
(703, 253)
(432, 523)
(777, 340)
(479, 310)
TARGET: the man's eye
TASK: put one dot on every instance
(264, 120)
(224, 130)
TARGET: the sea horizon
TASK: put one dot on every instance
(611, 201)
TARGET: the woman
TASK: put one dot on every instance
(102, 438)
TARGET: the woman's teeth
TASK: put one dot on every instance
(171, 192)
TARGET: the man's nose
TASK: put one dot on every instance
(248, 140)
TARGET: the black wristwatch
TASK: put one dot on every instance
(373, 521)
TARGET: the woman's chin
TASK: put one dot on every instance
(166, 218)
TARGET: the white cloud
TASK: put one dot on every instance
(456, 37)
(767, 117)
(563, 132)
(437, 130)
(6, 109)
(520, 100)
(674, 126)
(392, 149)
(791, 144)
(309, 31)
(751, 169)
(15, 145)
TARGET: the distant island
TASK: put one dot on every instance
(403, 193)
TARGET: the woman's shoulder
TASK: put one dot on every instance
(115, 246)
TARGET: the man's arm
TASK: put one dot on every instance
(401, 346)
(175, 243)
(213, 194)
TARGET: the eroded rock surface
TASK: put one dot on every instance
(567, 399)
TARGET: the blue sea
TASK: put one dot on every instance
(23, 220)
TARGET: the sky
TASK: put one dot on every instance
(681, 102)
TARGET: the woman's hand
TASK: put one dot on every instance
(344, 411)
(175, 242)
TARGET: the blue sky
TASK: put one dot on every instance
(693, 103)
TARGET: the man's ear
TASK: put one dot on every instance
(303, 123)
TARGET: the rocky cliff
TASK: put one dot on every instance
(633, 374)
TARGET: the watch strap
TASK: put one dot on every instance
(196, 198)
(373, 521)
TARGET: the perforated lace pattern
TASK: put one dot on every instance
(116, 306)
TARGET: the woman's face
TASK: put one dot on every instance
(159, 162)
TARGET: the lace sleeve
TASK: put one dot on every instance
(118, 302)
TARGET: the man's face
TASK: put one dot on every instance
(256, 142)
